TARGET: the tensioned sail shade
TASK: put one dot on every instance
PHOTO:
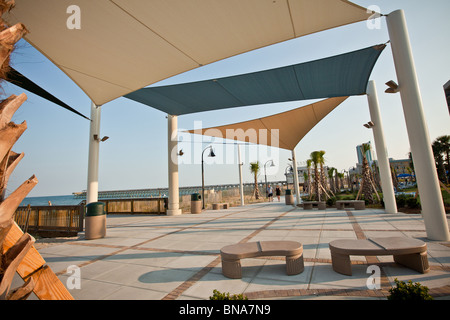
(283, 130)
(342, 75)
(18, 79)
(125, 45)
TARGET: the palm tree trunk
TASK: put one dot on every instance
(367, 183)
(317, 182)
(256, 191)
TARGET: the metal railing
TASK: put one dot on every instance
(135, 205)
(59, 219)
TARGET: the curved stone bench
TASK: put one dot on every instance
(231, 255)
(218, 206)
(321, 205)
(357, 204)
(408, 252)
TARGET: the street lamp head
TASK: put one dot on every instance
(211, 153)
(96, 138)
(393, 87)
(369, 125)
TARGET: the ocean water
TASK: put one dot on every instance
(55, 200)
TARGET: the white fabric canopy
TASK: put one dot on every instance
(125, 45)
(283, 130)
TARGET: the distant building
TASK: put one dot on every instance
(369, 155)
(401, 166)
(447, 94)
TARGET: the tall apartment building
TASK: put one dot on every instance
(369, 155)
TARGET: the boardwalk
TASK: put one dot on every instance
(167, 258)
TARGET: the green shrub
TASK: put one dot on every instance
(412, 203)
(331, 201)
(217, 295)
(409, 291)
(401, 200)
(409, 201)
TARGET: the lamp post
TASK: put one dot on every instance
(241, 184)
(285, 173)
(265, 174)
(211, 154)
(383, 160)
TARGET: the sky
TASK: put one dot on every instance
(135, 157)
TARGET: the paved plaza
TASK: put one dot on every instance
(178, 257)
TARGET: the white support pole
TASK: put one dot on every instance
(383, 160)
(425, 168)
(241, 184)
(94, 146)
(174, 193)
(296, 187)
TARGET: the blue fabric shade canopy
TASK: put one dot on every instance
(342, 75)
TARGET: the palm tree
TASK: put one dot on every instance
(366, 174)
(323, 177)
(305, 183)
(394, 178)
(337, 181)
(376, 175)
(254, 169)
(341, 180)
(310, 189)
(316, 158)
(441, 150)
(332, 171)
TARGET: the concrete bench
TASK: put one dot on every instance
(231, 255)
(218, 206)
(321, 205)
(356, 204)
(408, 252)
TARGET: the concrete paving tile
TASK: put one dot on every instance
(433, 278)
(97, 268)
(144, 257)
(263, 284)
(61, 263)
(132, 293)
(147, 277)
(92, 289)
(124, 241)
(338, 234)
(324, 277)
(190, 261)
(382, 233)
(276, 270)
(204, 288)
(439, 257)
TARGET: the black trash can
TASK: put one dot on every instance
(289, 197)
(95, 209)
(196, 203)
(95, 225)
